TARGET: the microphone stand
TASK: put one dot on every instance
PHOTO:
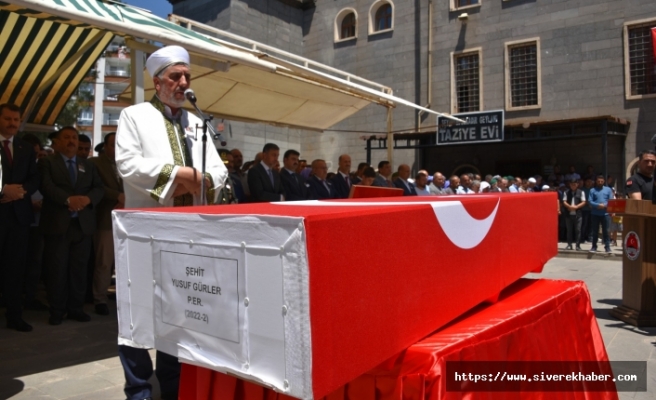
(206, 120)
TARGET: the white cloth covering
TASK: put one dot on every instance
(143, 149)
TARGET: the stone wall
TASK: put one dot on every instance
(581, 53)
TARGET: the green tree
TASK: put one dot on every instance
(79, 100)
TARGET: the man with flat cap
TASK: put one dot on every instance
(159, 156)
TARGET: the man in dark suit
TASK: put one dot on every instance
(402, 181)
(293, 184)
(71, 191)
(20, 179)
(103, 239)
(319, 186)
(359, 174)
(342, 179)
(263, 182)
(384, 171)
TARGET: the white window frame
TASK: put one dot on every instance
(518, 43)
(627, 67)
(454, 94)
(339, 18)
(453, 5)
(372, 16)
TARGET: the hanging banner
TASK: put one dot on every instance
(480, 127)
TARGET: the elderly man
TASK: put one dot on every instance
(319, 186)
(402, 181)
(465, 185)
(18, 181)
(158, 155)
(437, 186)
(454, 183)
(342, 179)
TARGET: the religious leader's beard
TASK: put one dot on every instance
(169, 99)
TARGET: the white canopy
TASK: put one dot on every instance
(231, 81)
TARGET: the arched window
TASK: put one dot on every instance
(383, 18)
(348, 26)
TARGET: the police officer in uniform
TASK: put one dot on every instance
(640, 186)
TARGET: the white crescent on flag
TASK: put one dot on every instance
(462, 229)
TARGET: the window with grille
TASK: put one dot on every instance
(642, 69)
(523, 75)
(467, 82)
(384, 17)
(348, 26)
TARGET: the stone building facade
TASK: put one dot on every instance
(559, 69)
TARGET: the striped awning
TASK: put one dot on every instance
(44, 58)
(57, 41)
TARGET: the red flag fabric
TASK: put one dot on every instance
(521, 326)
(653, 40)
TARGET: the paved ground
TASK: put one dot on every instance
(78, 360)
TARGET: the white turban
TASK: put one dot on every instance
(165, 57)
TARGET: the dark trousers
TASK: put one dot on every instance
(138, 368)
(586, 225)
(603, 221)
(67, 256)
(573, 223)
(13, 252)
(34, 263)
(562, 226)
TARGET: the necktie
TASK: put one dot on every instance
(325, 184)
(5, 145)
(271, 177)
(295, 178)
(348, 182)
(71, 171)
(71, 174)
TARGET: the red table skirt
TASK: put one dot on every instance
(534, 320)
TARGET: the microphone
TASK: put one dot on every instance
(190, 95)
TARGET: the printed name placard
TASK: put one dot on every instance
(479, 127)
(200, 293)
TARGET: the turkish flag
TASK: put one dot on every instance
(653, 40)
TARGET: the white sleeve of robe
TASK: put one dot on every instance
(145, 160)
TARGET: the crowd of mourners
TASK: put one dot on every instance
(265, 179)
(582, 198)
(582, 202)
